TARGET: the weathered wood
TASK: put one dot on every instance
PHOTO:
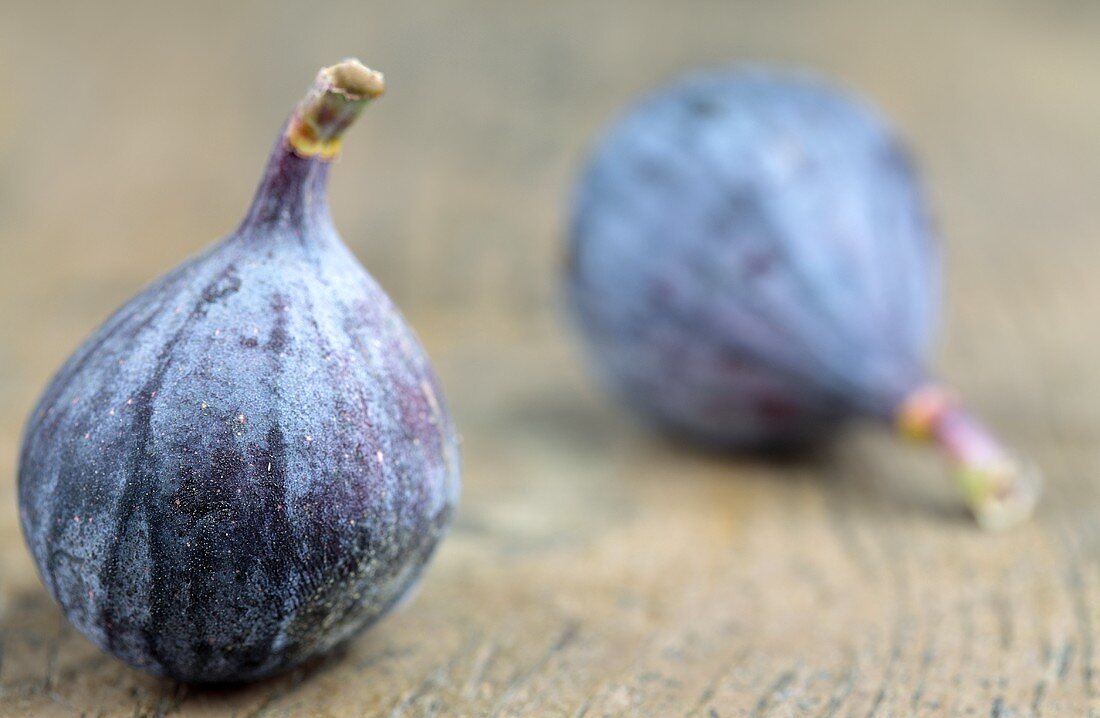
(594, 569)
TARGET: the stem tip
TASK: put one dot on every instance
(1000, 489)
(337, 96)
(355, 79)
(1003, 494)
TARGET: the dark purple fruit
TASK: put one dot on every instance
(752, 264)
(251, 460)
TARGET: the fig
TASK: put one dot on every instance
(252, 459)
(751, 264)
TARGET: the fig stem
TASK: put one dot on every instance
(1000, 489)
(337, 96)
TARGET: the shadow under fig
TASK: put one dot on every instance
(278, 685)
(33, 630)
(884, 481)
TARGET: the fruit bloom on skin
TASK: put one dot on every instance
(251, 460)
(751, 263)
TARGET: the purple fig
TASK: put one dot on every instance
(251, 460)
(751, 263)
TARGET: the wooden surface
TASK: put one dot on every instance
(594, 569)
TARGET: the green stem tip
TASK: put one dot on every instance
(337, 96)
(1000, 489)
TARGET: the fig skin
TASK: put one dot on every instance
(751, 260)
(248, 462)
(751, 265)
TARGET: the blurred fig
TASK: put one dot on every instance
(250, 460)
(751, 264)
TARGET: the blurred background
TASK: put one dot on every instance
(594, 569)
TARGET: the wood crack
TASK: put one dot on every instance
(567, 636)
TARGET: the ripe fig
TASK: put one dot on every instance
(251, 460)
(751, 264)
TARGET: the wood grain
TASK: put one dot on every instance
(595, 569)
